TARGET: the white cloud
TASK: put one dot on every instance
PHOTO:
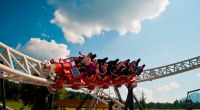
(44, 50)
(163, 88)
(174, 85)
(167, 87)
(84, 18)
(148, 94)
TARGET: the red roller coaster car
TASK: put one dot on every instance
(67, 72)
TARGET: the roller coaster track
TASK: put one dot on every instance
(171, 69)
(22, 68)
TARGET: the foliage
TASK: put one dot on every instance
(143, 100)
(33, 95)
(63, 94)
(175, 105)
(16, 105)
(12, 90)
(28, 94)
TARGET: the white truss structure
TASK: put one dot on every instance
(21, 68)
(171, 69)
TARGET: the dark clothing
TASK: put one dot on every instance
(90, 69)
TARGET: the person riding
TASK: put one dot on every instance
(135, 63)
(139, 70)
(93, 71)
(62, 71)
(110, 66)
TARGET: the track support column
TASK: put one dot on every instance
(50, 101)
(110, 105)
(129, 104)
(3, 94)
(3, 90)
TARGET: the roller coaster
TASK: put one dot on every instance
(22, 68)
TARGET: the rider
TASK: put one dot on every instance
(62, 71)
(139, 70)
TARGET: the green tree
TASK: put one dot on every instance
(61, 94)
(176, 104)
(143, 100)
(28, 94)
(12, 90)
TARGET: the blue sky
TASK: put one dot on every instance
(171, 35)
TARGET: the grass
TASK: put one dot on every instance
(82, 109)
(15, 105)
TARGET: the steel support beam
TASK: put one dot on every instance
(3, 93)
(110, 105)
(129, 104)
(50, 101)
(118, 94)
(188, 102)
(137, 101)
(82, 102)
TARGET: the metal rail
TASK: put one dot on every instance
(21, 68)
(171, 69)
